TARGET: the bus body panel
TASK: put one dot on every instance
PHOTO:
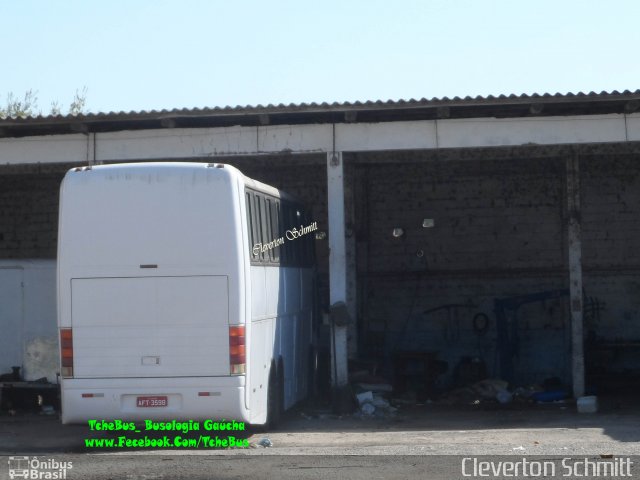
(261, 348)
(150, 326)
(115, 398)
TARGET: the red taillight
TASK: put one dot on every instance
(66, 352)
(237, 353)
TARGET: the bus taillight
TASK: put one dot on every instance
(66, 352)
(237, 355)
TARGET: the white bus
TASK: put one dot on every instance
(185, 291)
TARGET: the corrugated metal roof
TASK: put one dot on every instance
(375, 111)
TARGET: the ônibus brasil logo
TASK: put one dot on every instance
(34, 468)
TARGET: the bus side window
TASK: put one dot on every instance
(263, 229)
(275, 229)
(282, 222)
(256, 224)
(295, 244)
(270, 235)
(311, 241)
(303, 239)
(251, 227)
(306, 244)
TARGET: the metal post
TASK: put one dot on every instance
(337, 276)
(575, 274)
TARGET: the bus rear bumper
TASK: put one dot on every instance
(191, 398)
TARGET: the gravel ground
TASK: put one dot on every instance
(428, 429)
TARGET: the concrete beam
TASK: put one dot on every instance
(295, 138)
(45, 149)
(198, 143)
(350, 116)
(536, 108)
(358, 137)
(444, 112)
(264, 119)
(492, 132)
(169, 122)
(575, 273)
(632, 106)
(79, 127)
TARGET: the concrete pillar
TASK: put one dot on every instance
(575, 273)
(337, 271)
(351, 259)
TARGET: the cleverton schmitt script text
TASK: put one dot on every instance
(292, 234)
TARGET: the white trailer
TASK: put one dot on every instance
(185, 291)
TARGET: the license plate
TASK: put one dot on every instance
(152, 401)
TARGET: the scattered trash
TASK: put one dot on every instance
(364, 397)
(367, 409)
(504, 397)
(525, 393)
(518, 449)
(490, 387)
(483, 390)
(587, 404)
(265, 442)
(380, 402)
(373, 403)
(48, 410)
(550, 396)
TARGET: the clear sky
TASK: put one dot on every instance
(154, 54)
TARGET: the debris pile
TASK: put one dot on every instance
(371, 403)
(489, 389)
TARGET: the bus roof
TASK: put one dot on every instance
(195, 167)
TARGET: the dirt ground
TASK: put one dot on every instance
(490, 429)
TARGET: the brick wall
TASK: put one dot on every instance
(611, 212)
(29, 210)
(516, 205)
(611, 252)
(499, 232)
